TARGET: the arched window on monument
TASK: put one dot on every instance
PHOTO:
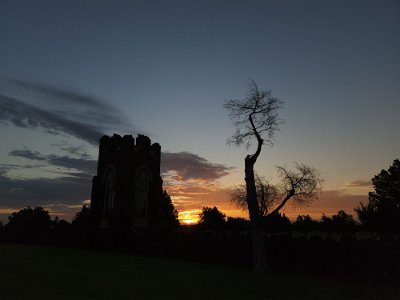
(109, 192)
(142, 189)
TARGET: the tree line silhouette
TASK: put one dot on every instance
(213, 219)
(368, 249)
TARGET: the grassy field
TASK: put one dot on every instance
(33, 272)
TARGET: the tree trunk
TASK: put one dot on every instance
(258, 238)
(259, 251)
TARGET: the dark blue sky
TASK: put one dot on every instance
(168, 66)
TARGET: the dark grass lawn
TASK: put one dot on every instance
(34, 272)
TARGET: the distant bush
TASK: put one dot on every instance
(340, 222)
(29, 225)
(211, 219)
(237, 224)
(305, 223)
(276, 223)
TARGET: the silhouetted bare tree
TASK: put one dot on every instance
(255, 117)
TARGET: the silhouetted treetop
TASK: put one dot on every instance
(170, 214)
(255, 116)
(29, 217)
(82, 219)
(305, 223)
(339, 222)
(29, 225)
(383, 209)
(211, 219)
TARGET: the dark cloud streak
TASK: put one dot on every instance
(69, 189)
(87, 166)
(192, 166)
(55, 110)
(186, 165)
(43, 191)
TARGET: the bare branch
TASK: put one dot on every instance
(267, 195)
(303, 184)
(255, 116)
(239, 196)
(299, 186)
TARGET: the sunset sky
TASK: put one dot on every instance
(71, 71)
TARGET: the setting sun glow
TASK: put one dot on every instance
(189, 217)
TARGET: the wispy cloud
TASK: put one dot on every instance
(192, 166)
(57, 111)
(359, 183)
(80, 150)
(82, 164)
(179, 167)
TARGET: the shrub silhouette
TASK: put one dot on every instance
(29, 225)
(211, 219)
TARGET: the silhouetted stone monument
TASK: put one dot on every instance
(127, 189)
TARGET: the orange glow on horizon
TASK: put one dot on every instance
(8, 211)
(189, 217)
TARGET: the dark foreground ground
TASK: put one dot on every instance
(35, 272)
